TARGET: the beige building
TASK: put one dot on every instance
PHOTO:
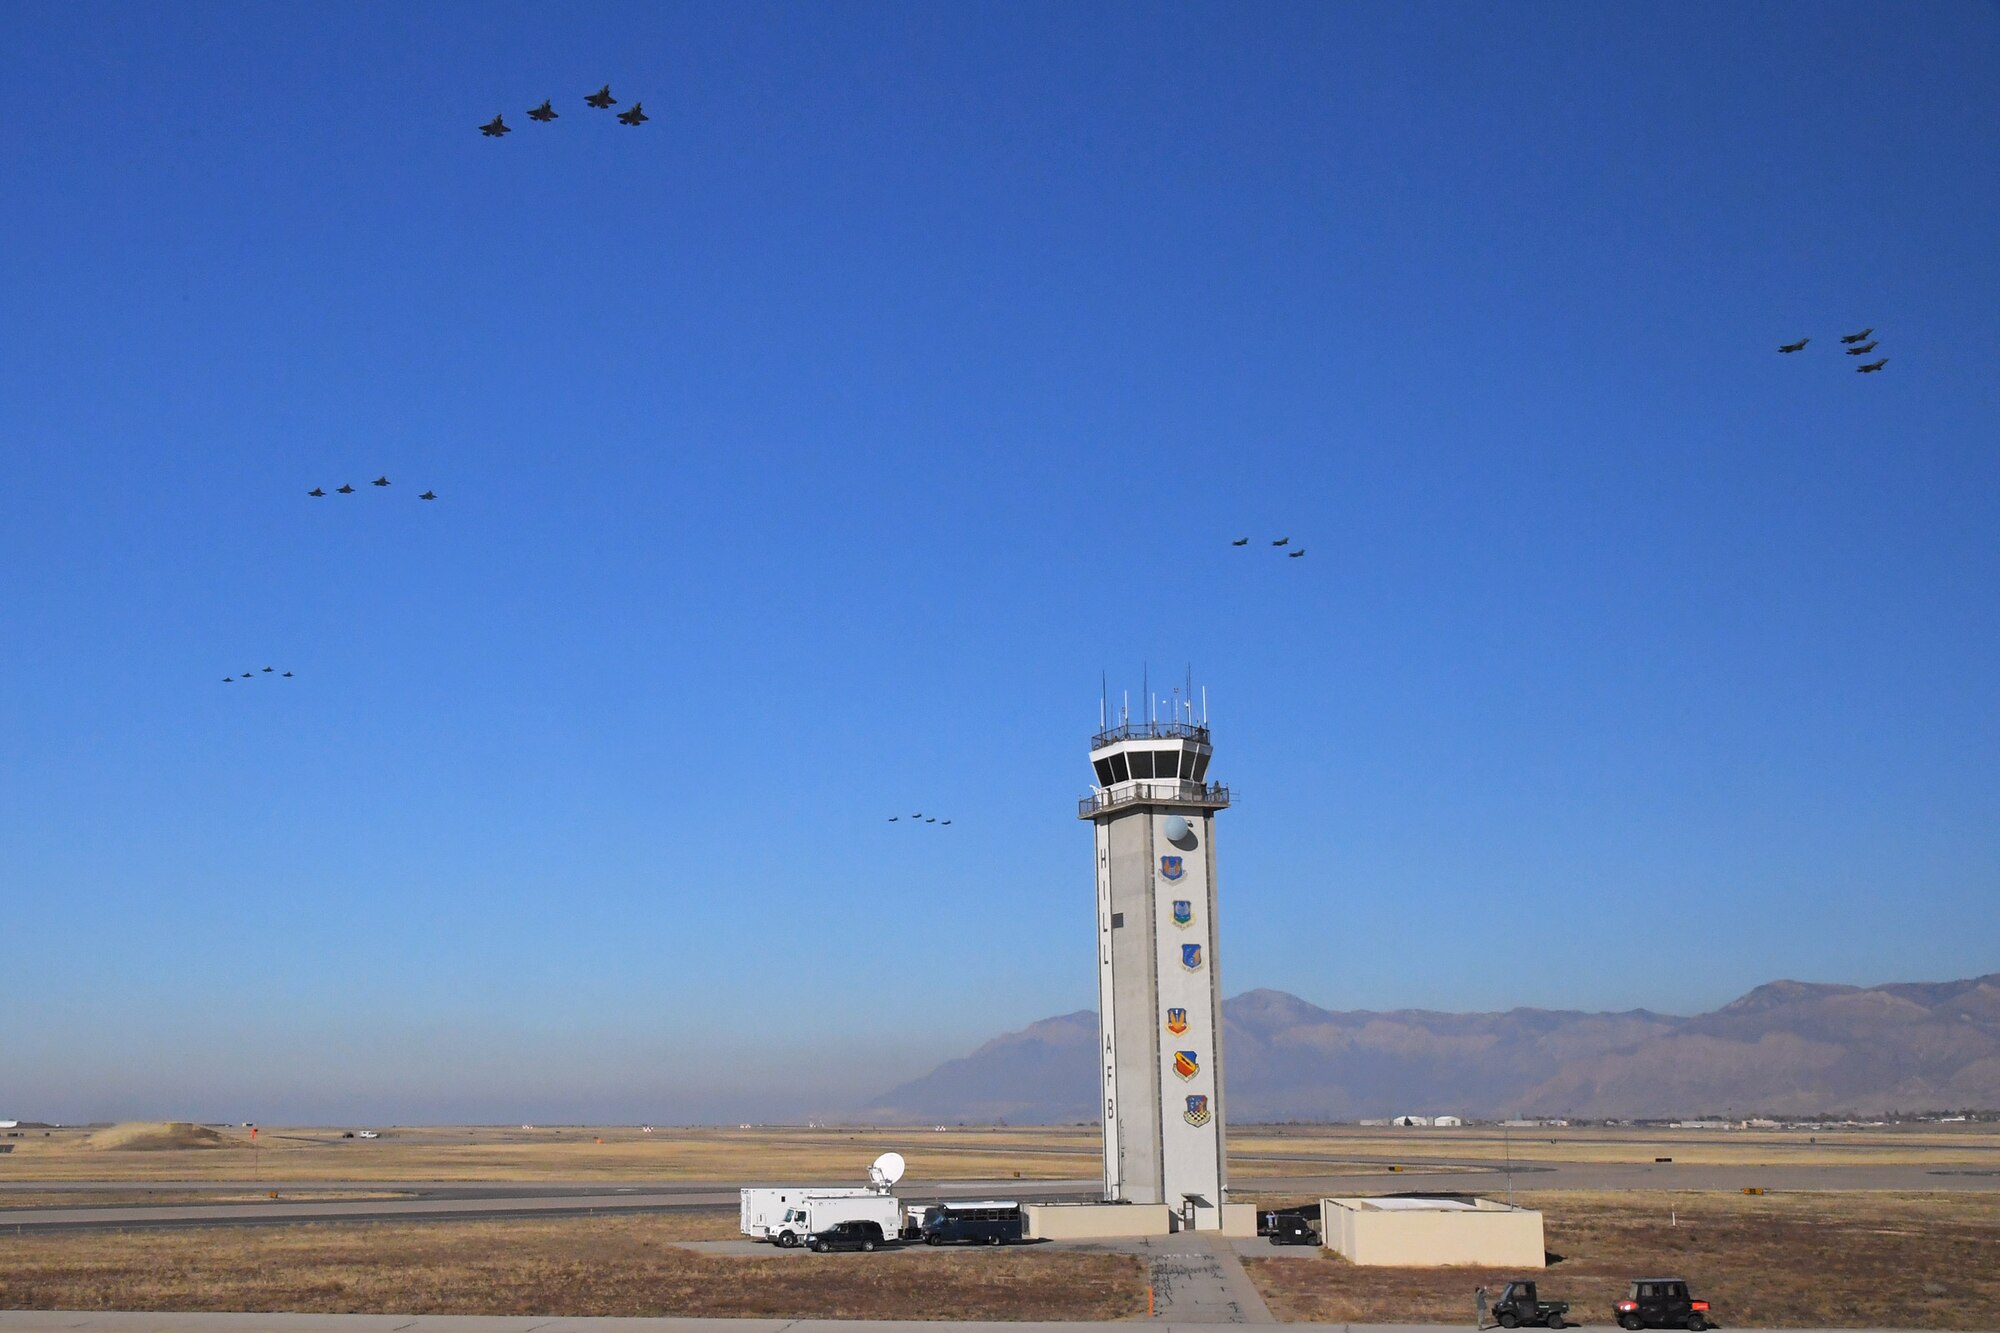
(1407, 1231)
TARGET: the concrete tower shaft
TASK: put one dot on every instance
(1159, 994)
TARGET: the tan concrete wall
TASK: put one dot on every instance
(1088, 1221)
(1492, 1237)
(1239, 1219)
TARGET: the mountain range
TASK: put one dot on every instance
(1789, 1048)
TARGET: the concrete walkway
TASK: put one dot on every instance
(1197, 1279)
(34, 1321)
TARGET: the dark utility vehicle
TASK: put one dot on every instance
(1291, 1229)
(1518, 1306)
(1661, 1302)
(847, 1236)
(974, 1224)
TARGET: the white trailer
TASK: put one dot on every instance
(817, 1212)
(763, 1209)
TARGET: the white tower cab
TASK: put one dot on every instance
(1159, 996)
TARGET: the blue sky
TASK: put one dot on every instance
(806, 454)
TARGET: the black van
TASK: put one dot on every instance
(974, 1223)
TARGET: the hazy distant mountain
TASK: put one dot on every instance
(1786, 1048)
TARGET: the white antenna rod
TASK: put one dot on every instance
(1204, 705)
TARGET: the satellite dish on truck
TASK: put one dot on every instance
(887, 1170)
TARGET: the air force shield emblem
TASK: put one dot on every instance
(1177, 1021)
(1190, 956)
(1171, 868)
(1197, 1111)
(1187, 1064)
(1183, 912)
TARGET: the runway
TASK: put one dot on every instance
(464, 1201)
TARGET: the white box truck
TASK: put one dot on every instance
(817, 1212)
(763, 1209)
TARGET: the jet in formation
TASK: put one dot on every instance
(248, 675)
(543, 113)
(428, 495)
(380, 481)
(1857, 337)
(1798, 346)
(602, 98)
(1241, 541)
(1871, 367)
(346, 490)
(316, 493)
(635, 116)
(1282, 541)
(1296, 554)
(932, 819)
(1864, 349)
(495, 127)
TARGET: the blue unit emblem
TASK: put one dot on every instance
(1187, 1064)
(1183, 912)
(1197, 1111)
(1177, 1021)
(1171, 868)
(1190, 956)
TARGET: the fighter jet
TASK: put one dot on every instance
(930, 821)
(229, 680)
(1241, 541)
(347, 490)
(494, 128)
(1282, 541)
(316, 493)
(635, 115)
(1296, 554)
(1798, 346)
(894, 818)
(1857, 337)
(267, 669)
(1864, 349)
(1871, 367)
(544, 113)
(428, 495)
(380, 481)
(246, 675)
(918, 815)
(943, 822)
(602, 98)
(288, 675)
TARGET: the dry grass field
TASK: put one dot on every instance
(624, 1153)
(575, 1266)
(1833, 1260)
(611, 1153)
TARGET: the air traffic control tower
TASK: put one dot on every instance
(1159, 1000)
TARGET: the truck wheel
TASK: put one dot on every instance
(992, 1240)
(1630, 1321)
(786, 1240)
(1556, 1321)
(1696, 1323)
(1510, 1320)
(930, 1240)
(867, 1247)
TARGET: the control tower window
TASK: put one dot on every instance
(1103, 767)
(1118, 770)
(1142, 763)
(1200, 758)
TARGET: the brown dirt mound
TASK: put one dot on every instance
(146, 1136)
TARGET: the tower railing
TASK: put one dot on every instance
(1149, 731)
(1212, 795)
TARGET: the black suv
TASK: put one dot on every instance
(1661, 1302)
(846, 1236)
(1519, 1305)
(1291, 1229)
